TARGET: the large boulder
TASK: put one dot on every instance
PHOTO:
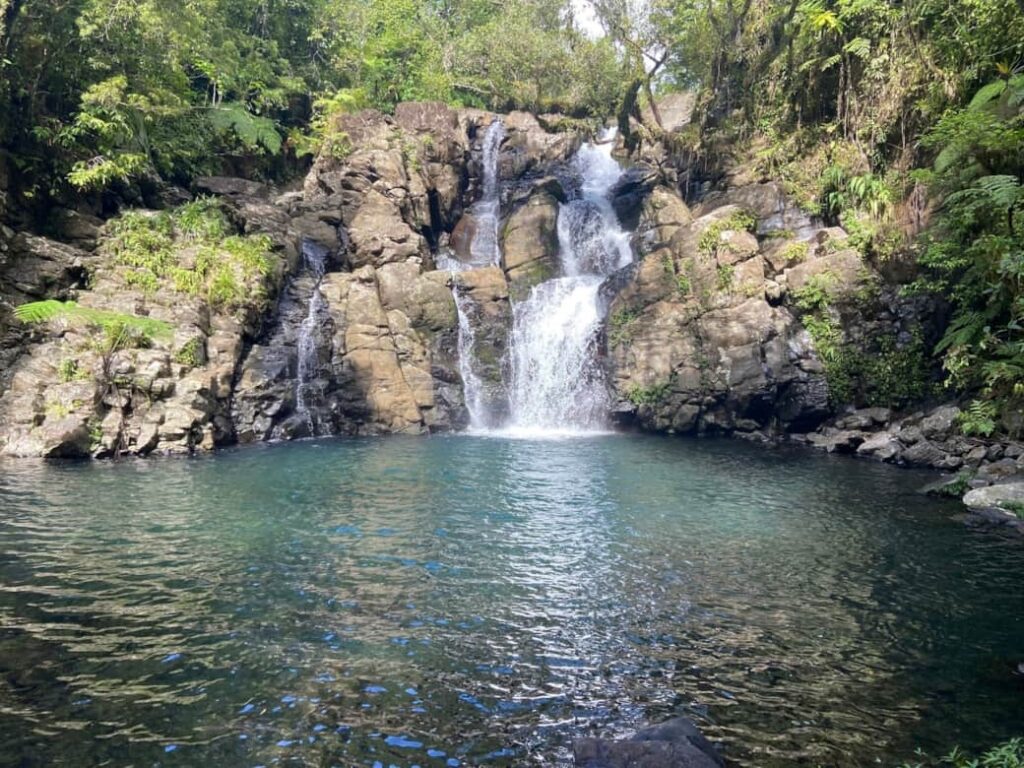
(379, 235)
(36, 267)
(529, 243)
(694, 344)
(663, 214)
(528, 146)
(674, 109)
(374, 390)
(1002, 503)
(384, 358)
(631, 192)
(768, 202)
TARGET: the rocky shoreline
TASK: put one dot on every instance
(987, 474)
(676, 743)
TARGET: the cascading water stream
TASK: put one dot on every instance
(557, 384)
(315, 259)
(484, 249)
(484, 252)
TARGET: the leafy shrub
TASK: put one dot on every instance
(68, 370)
(726, 273)
(740, 221)
(619, 326)
(651, 395)
(794, 253)
(189, 353)
(816, 293)
(226, 269)
(1008, 755)
(1016, 507)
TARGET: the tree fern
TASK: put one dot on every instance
(37, 312)
(859, 47)
(963, 331)
(1005, 191)
(252, 130)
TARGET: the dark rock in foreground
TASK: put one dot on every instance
(674, 744)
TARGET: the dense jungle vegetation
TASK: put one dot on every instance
(902, 122)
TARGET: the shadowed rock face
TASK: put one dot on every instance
(696, 340)
(674, 744)
(706, 332)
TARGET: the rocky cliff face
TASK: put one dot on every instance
(704, 335)
(728, 321)
(376, 352)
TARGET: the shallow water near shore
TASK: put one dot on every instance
(483, 600)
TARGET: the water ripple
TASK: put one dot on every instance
(480, 599)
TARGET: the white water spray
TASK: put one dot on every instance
(485, 250)
(557, 383)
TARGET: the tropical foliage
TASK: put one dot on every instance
(98, 93)
(902, 122)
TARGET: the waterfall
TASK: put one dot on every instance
(557, 384)
(484, 252)
(315, 259)
(472, 385)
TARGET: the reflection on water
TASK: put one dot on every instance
(465, 600)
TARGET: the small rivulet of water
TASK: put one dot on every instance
(307, 387)
(485, 251)
(557, 384)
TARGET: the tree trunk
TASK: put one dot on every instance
(626, 110)
(9, 10)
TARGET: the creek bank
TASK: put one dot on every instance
(987, 473)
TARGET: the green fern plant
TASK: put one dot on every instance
(979, 418)
(253, 131)
(38, 312)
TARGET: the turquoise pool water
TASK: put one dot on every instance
(477, 600)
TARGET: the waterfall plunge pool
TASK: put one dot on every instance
(478, 600)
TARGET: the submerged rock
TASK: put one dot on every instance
(677, 743)
(1002, 503)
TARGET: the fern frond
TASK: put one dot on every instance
(1015, 89)
(37, 312)
(859, 47)
(986, 95)
(948, 157)
(44, 311)
(830, 62)
(963, 331)
(252, 130)
(1005, 190)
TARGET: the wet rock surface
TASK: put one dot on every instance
(698, 341)
(677, 743)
